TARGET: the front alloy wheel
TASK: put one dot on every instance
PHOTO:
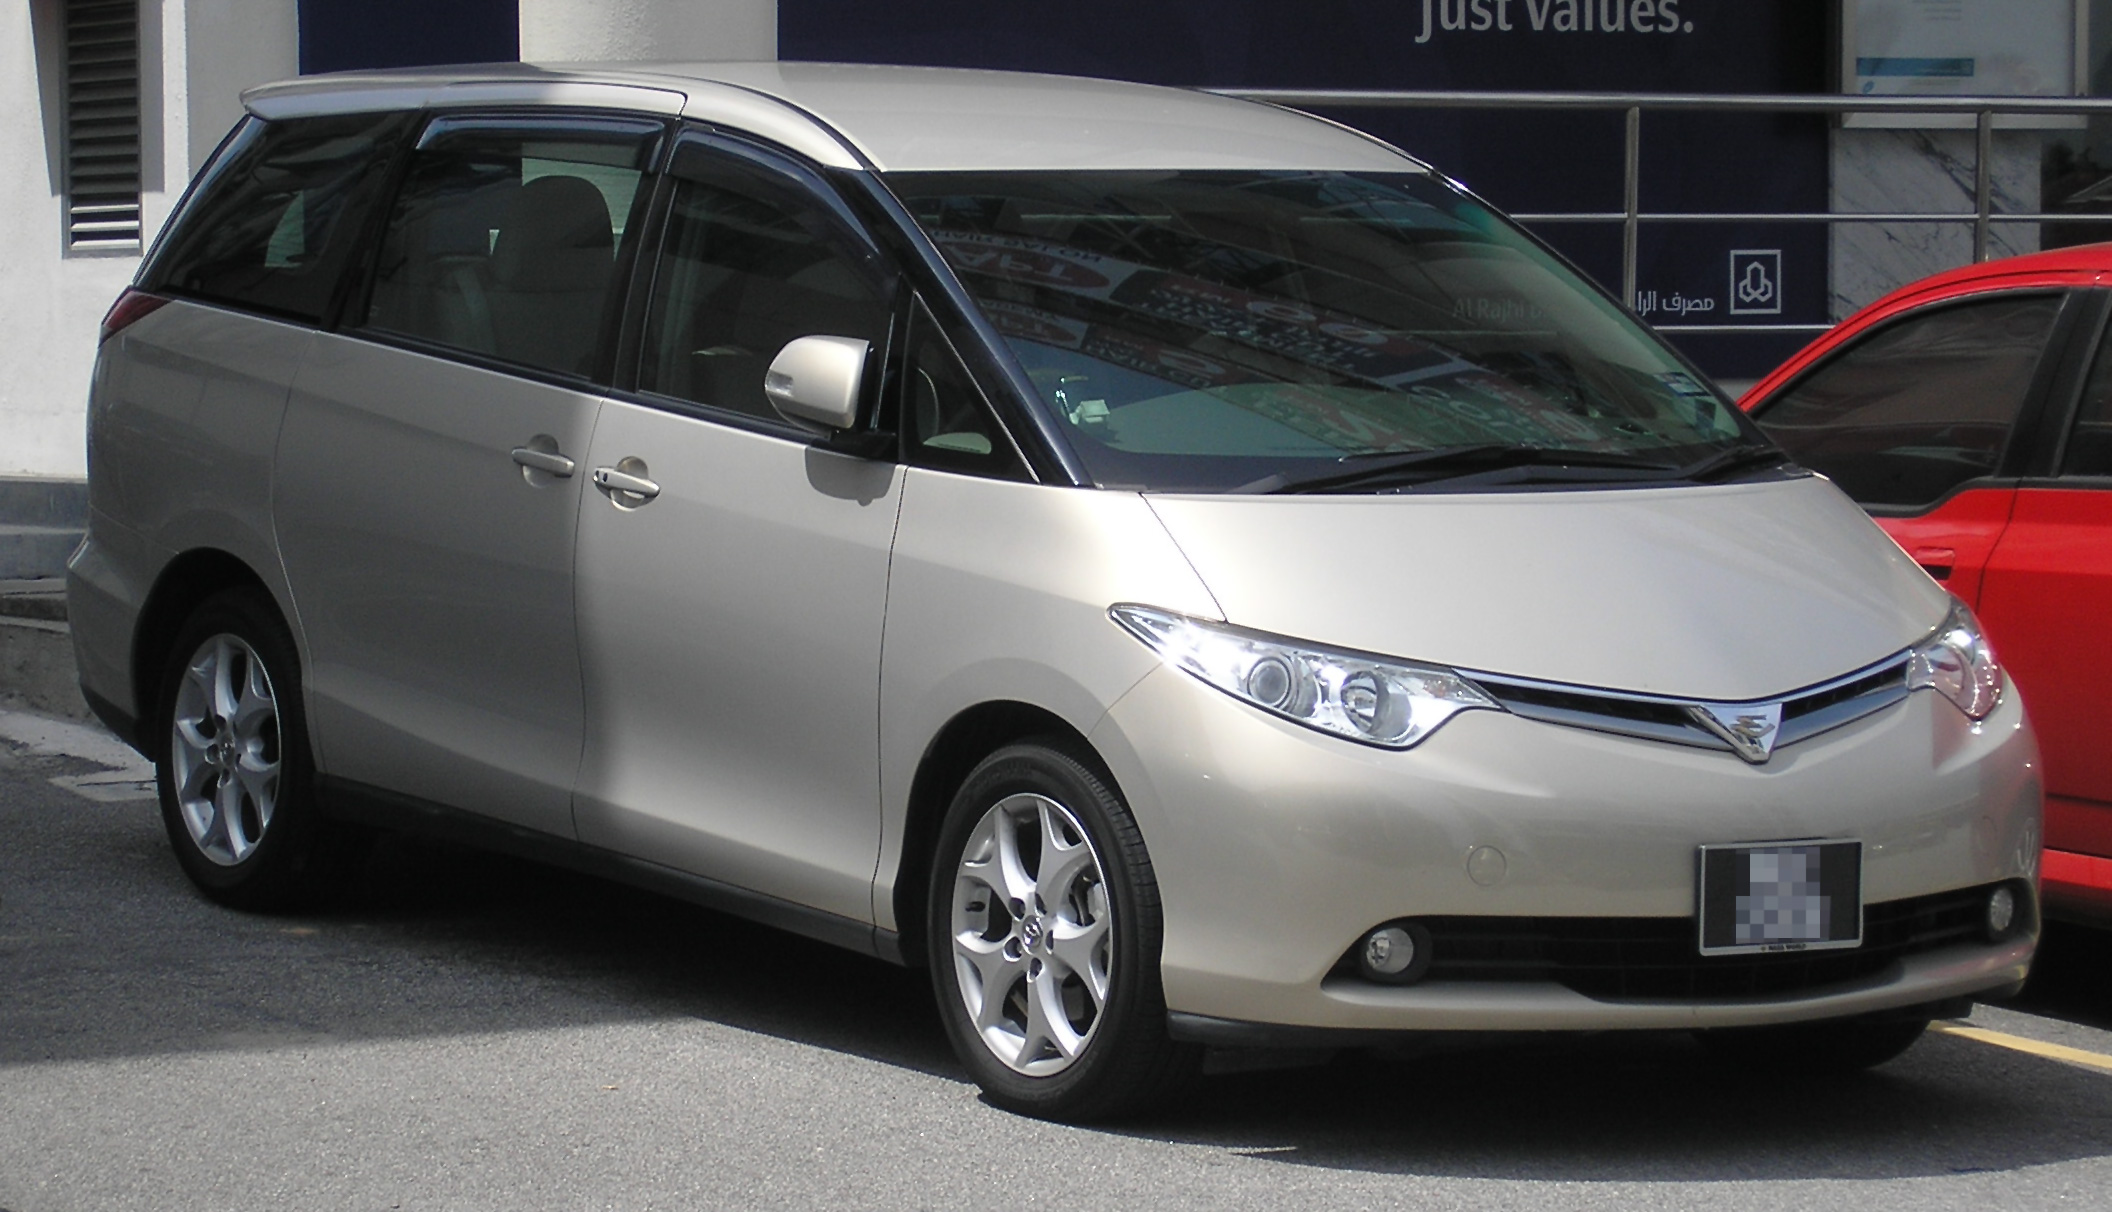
(1044, 939)
(1032, 944)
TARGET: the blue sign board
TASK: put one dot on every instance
(341, 35)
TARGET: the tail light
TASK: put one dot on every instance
(130, 306)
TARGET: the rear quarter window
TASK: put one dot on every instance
(271, 227)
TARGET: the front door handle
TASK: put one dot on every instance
(543, 460)
(1936, 561)
(625, 484)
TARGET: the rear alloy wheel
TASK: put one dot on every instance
(1044, 941)
(224, 749)
(236, 783)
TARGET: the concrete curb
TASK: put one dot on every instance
(41, 522)
(37, 671)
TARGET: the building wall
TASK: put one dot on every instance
(556, 31)
(46, 300)
(229, 45)
(196, 56)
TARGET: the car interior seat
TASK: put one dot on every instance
(550, 271)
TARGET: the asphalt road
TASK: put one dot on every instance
(474, 1033)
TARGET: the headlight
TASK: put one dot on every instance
(1390, 703)
(1957, 662)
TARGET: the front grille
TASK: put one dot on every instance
(1805, 713)
(1657, 958)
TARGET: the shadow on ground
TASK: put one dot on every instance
(105, 952)
(2072, 977)
(1651, 1109)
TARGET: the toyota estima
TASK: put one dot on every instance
(1182, 570)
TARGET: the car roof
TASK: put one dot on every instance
(2081, 258)
(893, 118)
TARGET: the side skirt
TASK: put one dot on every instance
(367, 805)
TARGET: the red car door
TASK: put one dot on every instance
(1964, 424)
(2047, 604)
(1953, 541)
(1911, 413)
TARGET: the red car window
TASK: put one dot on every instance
(1919, 406)
(2088, 451)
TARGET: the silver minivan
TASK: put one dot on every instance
(1184, 571)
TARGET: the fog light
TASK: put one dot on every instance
(2001, 911)
(1395, 955)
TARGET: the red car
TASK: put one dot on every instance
(1971, 414)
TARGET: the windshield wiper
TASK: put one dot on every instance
(1449, 462)
(1737, 458)
(1457, 462)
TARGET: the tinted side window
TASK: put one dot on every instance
(1919, 407)
(274, 226)
(2089, 449)
(946, 422)
(503, 240)
(750, 261)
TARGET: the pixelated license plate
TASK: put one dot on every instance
(1781, 896)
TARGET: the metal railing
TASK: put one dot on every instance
(1983, 110)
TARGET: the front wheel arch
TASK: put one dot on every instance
(970, 736)
(1083, 918)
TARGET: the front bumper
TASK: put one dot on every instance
(1275, 848)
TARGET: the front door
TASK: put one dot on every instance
(732, 574)
(429, 470)
(2047, 602)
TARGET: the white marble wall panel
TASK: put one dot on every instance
(1922, 171)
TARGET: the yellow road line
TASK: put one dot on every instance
(2059, 1052)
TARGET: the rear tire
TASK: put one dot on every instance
(1838, 1047)
(1044, 935)
(232, 763)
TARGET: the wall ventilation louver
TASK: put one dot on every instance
(102, 124)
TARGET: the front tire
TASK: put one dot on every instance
(232, 764)
(1044, 936)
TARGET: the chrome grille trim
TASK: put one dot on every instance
(1806, 713)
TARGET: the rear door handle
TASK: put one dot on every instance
(544, 460)
(625, 483)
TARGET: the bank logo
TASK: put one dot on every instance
(1756, 282)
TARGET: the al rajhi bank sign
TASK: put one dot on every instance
(1559, 16)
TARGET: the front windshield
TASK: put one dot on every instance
(1210, 330)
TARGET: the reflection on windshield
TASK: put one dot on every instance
(1200, 329)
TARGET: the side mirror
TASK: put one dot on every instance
(815, 380)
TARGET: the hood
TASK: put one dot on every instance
(1719, 592)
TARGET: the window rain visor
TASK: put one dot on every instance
(1211, 330)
